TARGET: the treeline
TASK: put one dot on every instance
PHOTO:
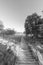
(7, 31)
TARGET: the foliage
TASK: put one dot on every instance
(1, 25)
(34, 25)
(8, 32)
(7, 56)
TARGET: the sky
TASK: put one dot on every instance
(14, 12)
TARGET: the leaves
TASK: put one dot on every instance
(34, 25)
(7, 56)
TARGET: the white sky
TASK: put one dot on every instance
(14, 12)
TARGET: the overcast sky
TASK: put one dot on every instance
(14, 12)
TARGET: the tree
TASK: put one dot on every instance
(40, 29)
(33, 23)
(1, 25)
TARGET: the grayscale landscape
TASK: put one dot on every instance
(21, 32)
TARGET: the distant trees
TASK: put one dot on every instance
(34, 25)
(1, 25)
(9, 32)
(5, 32)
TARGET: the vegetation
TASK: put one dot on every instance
(33, 30)
(1, 25)
(7, 56)
(34, 25)
(8, 32)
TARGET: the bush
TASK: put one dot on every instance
(7, 56)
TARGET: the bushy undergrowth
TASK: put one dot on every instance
(7, 57)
